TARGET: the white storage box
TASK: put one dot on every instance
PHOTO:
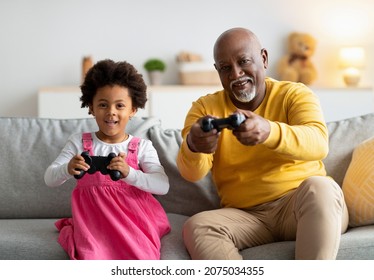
(198, 73)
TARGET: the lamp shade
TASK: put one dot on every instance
(352, 57)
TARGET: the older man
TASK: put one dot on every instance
(268, 171)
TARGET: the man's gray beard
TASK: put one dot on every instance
(245, 96)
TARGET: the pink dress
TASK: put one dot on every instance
(112, 220)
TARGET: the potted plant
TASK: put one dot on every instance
(155, 68)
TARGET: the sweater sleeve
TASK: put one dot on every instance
(303, 135)
(193, 166)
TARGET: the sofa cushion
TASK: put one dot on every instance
(36, 239)
(356, 244)
(172, 245)
(186, 198)
(28, 147)
(25, 239)
(358, 185)
(344, 136)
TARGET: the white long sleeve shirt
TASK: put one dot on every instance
(150, 178)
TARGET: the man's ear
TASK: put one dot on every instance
(264, 54)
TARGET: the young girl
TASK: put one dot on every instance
(112, 219)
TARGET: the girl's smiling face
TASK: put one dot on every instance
(112, 108)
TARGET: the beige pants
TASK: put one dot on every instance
(314, 214)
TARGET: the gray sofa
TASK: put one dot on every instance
(28, 208)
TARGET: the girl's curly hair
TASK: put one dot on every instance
(109, 73)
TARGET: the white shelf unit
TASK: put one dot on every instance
(343, 103)
(170, 103)
(64, 103)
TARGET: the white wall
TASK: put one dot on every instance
(43, 42)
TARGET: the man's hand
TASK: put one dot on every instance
(202, 142)
(254, 130)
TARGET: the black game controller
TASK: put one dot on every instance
(231, 122)
(99, 163)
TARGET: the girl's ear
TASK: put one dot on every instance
(90, 110)
(134, 110)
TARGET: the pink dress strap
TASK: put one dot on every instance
(87, 142)
(132, 155)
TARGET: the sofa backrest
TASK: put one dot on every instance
(29, 145)
(189, 198)
(184, 197)
(344, 136)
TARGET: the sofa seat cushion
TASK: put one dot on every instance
(29, 239)
(172, 245)
(36, 239)
(356, 244)
(358, 185)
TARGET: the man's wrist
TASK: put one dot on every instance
(189, 144)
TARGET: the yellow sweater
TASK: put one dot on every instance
(250, 175)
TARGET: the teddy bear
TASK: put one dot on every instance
(297, 65)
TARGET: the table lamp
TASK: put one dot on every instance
(352, 59)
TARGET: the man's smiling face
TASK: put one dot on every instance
(241, 62)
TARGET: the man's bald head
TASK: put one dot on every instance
(234, 35)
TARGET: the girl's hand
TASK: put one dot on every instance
(76, 164)
(118, 163)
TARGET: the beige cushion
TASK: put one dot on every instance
(358, 185)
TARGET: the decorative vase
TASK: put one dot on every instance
(155, 77)
(87, 63)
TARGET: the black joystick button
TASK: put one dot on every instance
(231, 122)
